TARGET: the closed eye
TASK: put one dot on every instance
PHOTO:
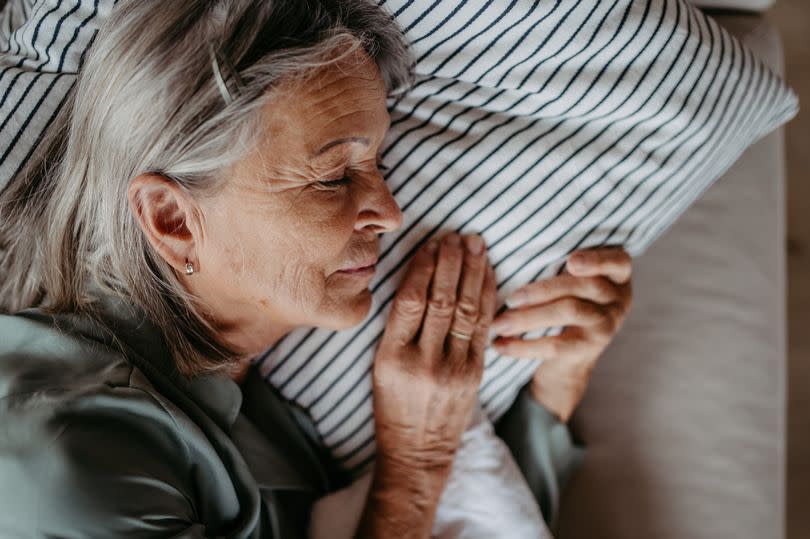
(334, 184)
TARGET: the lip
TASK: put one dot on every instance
(362, 271)
(362, 266)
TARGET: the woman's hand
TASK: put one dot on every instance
(591, 300)
(426, 376)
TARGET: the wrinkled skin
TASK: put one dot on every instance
(269, 252)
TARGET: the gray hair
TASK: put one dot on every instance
(147, 99)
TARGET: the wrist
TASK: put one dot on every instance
(559, 390)
(402, 501)
(422, 479)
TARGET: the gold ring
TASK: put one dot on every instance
(460, 335)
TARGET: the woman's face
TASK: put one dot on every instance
(281, 242)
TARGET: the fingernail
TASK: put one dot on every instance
(432, 246)
(500, 326)
(578, 261)
(516, 299)
(475, 244)
(453, 240)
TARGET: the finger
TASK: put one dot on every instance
(597, 289)
(567, 311)
(442, 299)
(558, 347)
(480, 338)
(465, 317)
(612, 262)
(410, 301)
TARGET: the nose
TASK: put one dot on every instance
(379, 210)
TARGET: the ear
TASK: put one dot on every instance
(169, 218)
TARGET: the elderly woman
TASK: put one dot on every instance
(211, 183)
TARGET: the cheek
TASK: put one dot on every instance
(299, 249)
(280, 257)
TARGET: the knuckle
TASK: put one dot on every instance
(409, 303)
(467, 310)
(579, 309)
(602, 289)
(554, 348)
(442, 304)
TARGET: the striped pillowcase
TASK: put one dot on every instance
(547, 126)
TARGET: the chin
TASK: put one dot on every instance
(352, 312)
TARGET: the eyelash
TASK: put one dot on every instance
(345, 180)
(334, 184)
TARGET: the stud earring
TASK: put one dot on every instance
(189, 268)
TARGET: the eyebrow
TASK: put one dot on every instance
(326, 147)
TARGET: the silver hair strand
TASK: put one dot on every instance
(149, 99)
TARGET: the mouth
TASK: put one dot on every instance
(363, 270)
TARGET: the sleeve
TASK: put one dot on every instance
(42, 46)
(101, 472)
(543, 449)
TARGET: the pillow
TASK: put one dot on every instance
(745, 5)
(547, 127)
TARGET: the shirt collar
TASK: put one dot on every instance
(217, 394)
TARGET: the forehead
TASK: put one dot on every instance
(345, 100)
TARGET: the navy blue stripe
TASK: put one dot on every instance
(424, 14)
(22, 61)
(360, 426)
(516, 367)
(336, 404)
(685, 185)
(696, 129)
(41, 133)
(588, 44)
(398, 12)
(359, 448)
(547, 39)
(666, 216)
(708, 118)
(495, 41)
(25, 123)
(647, 158)
(502, 400)
(459, 5)
(552, 198)
(291, 353)
(350, 413)
(399, 138)
(355, 470)
(500, 375)
(506, 213)
(55, 34)
(459, 30)
(438, 225)
(419, 103)
(31, 85)
(75, 36)
(495, 64)
(448, 57)
(522, 39)
(641, 206)
(21, 29)
(507, 110)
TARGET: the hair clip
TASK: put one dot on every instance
(220, 80)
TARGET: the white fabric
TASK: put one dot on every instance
(545, 126)
(684, 419)
(486, 496)
(745, 5)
